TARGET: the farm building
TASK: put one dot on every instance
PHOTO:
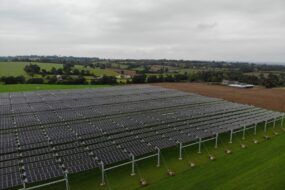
(236, 84)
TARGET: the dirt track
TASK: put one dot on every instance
(273, 99)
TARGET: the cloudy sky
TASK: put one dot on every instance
(237, 30)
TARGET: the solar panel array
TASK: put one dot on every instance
(46, 133)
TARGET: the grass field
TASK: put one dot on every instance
(259, 166)
(265, 73)
(17, 69)
(32, 87)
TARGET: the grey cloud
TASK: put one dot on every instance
(206, 26)
(245, 30)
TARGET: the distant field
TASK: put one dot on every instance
(189, 71)
(273, 99)
(32, 87)
(115, 65)
(265, 73)
(17, 69)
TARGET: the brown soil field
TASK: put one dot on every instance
(273, 99)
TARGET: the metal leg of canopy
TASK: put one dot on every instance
(132, 162)
(199, 142)
(265, 126)
(65, 179)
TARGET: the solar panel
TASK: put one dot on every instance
(43, 173)
(50, 131)
(10, 180)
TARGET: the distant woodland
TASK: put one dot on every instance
(86, 70)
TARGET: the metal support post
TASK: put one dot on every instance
(282, 121)
(216, 144)
(243, 133)
(158, 157)
(274, 123)
(231, 136)
(66, 181)
(180, 151)
(133, 165)
(103, 173)
(24, 185)
(255, 129)
(200, 141)
(265, 126)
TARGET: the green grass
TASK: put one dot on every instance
(189, 71)
(119, 66)
(32, 87)
(259, 166)
(98, 71)
(101, 72)
(17, 69)
(193, 71)
(265, 73)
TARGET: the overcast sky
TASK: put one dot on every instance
(238, 30)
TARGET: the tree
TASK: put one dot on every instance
(138, 79)
(105, 80)
(146, 69)
(88, 73)
(76, 72)
(44, 72)
(20, 79)
(59, 71)
(9, 80)
(79, 80)
(166, 69)
(35, 81)
(52, 80)
(67, 68)
(13, 80)
(181, 77)
(152, 79)
(32, 69)
(102, 66)
(169, 78)
(53, 71)
(67, 79)
(271, 81)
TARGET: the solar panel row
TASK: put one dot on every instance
(44, 134)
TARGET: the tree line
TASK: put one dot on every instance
(272, 80)
(132, 63)
(56, 80)
(69, 74)
(67, 69)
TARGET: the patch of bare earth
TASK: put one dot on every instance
(273, 99)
